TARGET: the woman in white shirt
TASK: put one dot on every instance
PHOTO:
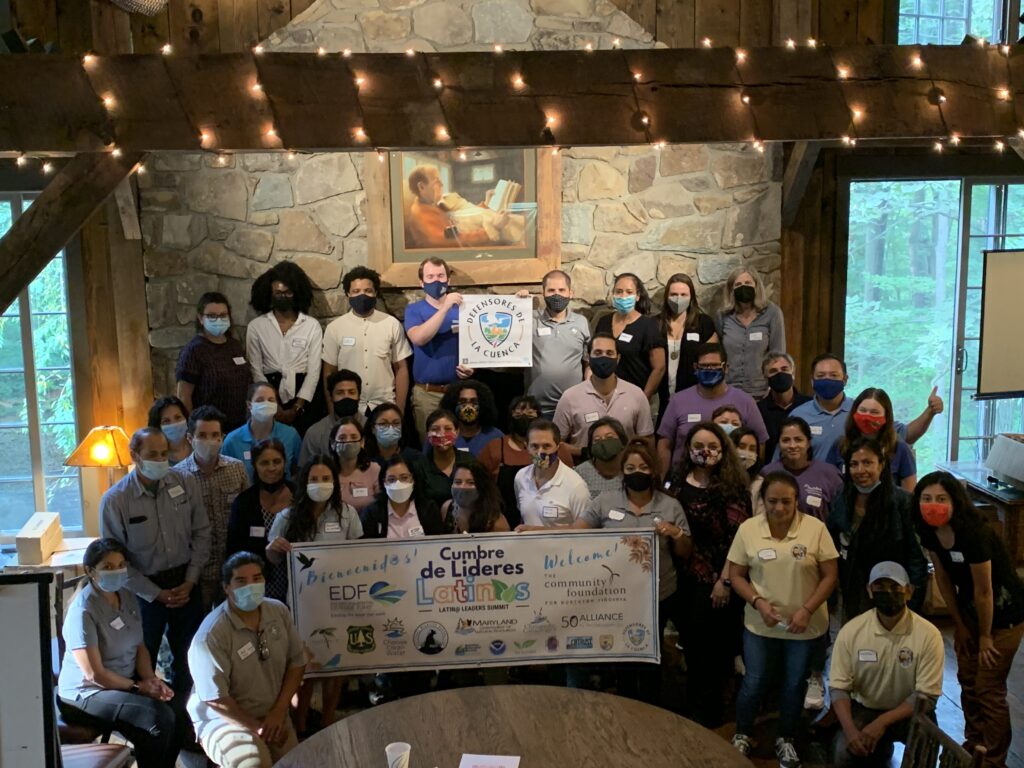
(284, 344)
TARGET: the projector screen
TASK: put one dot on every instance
(1001, 358)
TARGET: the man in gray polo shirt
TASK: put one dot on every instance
(560, 338)
(248, 662)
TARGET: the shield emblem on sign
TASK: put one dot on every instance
(495, 327)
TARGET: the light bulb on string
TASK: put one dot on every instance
(842, 73)
(616, 43)
(812, 43)
(21, 161)
(1004, 94)
(555, 151)
(589, 47)
(438, 84)
(954, 139)
(115, 151)
(498, 49)
(758, 145)
(790, 43)
(291, 155)
(916, 61)
(166, 49)
(347, 53)
(140, 168)
(360, 134)
(937, 146)
(108, 101)
(706, 42)
(47, 167)
(741, 56)
(410, 52)
(1004, 49)
(849, 141)
(321, 51)
(359, 81)
(88, 60)
(258, 49)
(442, 133)
(380, 156)
(257, 89)
(638, 76)
(999, 146)
(857, 113)
(658, 145)
(462, 155)
(518, 83)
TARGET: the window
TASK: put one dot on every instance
(37, 396)
(947, 22)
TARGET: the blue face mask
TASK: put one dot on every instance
(154, 470)
(216, 326)
(624, 303)
(864, 490)
(249, 597)
(437, 289)
(175, 432)
(728, 428)
(827, 389)
(387, 436)
(710, 378)
(112, 581)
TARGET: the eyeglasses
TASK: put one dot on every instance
(261, 644)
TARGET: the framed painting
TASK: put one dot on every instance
(493, 214)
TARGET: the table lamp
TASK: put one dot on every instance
(102, 447)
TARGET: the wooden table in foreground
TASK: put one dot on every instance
(548, 726)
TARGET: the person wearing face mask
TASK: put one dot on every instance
(684, 326)
(882, 662)
(475, 505)
(871, 416)
(819, 482)
(169, 415)
(212, 369)
(781, 399)
(262, 425)
(871, 520)
(606, 439)
(284, 344)
(748, 451)
(728, 418)
(359, 477)
(249, 662)
(783, 565)
(985, 598)
(384, 439)
(604, 394)
(549, 493)
(476, 414)
(403, 510)
(106, 676)
(158, 514)
(638, 340)
(432, 325)
(343, 393)
(826, 413)
(700, 402)
(713, 489)
(254, 511)
(441, 456)
(368, 341)
(560, 339)
(750, 327)
(221, 480)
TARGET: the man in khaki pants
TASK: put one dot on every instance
(432, 325)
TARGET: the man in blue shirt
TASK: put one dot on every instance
(826, 413)
(431, 325)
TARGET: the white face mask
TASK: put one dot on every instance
(319, 491)
(264, 411)
(207, 450)
(399, 492)
(747, 458)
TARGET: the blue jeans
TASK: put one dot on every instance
(762, 655)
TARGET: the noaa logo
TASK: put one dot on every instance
(497, 647)
(360, 639)
(430, 638)
(637, 636)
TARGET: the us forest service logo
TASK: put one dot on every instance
(360, 639)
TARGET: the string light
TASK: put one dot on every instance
(812, 43)
(88, 60)
(108, 101)
(555, 151)
(999, 146)
(589, 47)
(498, 49)
(438, 85)
(518, 82)
(1004, 49)
(706, 42)
(258, 49)
(359, 81)
(410, 52)
(462, 155)
(47, 167)
(616, 43)
(842, 72)
(140, 168)
(954, 139)
(550, 120)
(645, 120)
(982, 42)
(937, 146)
(741, 56)
(1004, 94)
(745, 98)
(638, 76)
(380, 156)
(166, 50)
(222, 160)
(204, 137)
(849, 141)
(21, 161)
(360, 134)
(658, 145)
(321, 51)
(115, 151)
(916, 62)
(271, 133)
(857, 113)
(442, 133)
(790, 43)
(942, 98)
(347, 53)
(257, 88)
(759, 146)
(291, 155)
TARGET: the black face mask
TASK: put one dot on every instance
(638, 481)
(781, 382)
(743, 293)
(556, 303)
(283, 303)
(362, 304)
(272, 487)
(603, 367)
(889, 603)
(345, 406)
(518, 425)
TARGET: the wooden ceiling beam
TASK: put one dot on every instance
(794, 181)
(61, 209)
(63, 104)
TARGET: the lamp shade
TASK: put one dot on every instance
(102, 447)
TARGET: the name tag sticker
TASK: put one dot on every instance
(543, 331)
(455, 327)
(348, 341)
(360, 493)
(257, 531)
(693, 337)
(767, 554)
(550, 512)
(299, 343)
(692, 418)
(625, 337)
(814, 501)
(117, 623)
(591, 417)
(616, 515)
(246, 651)
(332, 527)
(239, 360)
(247, 455)
(868, 655)
(816, 430)
(175, 491)
(756, 336)
(416, 530)
(956, 557)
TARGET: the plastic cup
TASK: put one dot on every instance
(397, 754)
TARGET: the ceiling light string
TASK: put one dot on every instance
(634, 83)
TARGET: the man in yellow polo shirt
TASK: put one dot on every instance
(881, 661)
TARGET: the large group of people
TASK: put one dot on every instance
(774, 510)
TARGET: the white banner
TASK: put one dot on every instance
(442, 602)
(495, 331)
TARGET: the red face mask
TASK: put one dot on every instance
(868, 424)
(936, 515)
(444, 440)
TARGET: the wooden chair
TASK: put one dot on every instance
(929, 746)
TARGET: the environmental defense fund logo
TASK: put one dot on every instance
(382, 592)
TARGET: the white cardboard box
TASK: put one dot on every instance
(39, 538)
(1006, 459)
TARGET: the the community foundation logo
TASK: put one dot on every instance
(430, 638)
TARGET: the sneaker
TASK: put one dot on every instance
(786, 752)
(815, 697)
(742, 744)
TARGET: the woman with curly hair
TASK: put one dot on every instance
(472, 402)
(714, 490)
(284, 344)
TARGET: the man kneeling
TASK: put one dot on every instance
(881, 661)
(247, 662)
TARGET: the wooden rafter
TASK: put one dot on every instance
(55, 104)
(75, 192)
(798, 173)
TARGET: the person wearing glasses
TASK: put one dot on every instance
(284, 344)
(248, 661)
(212, 369)
(699, 403)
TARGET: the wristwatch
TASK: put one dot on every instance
(727, 582)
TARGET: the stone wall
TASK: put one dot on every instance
(215, 222)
